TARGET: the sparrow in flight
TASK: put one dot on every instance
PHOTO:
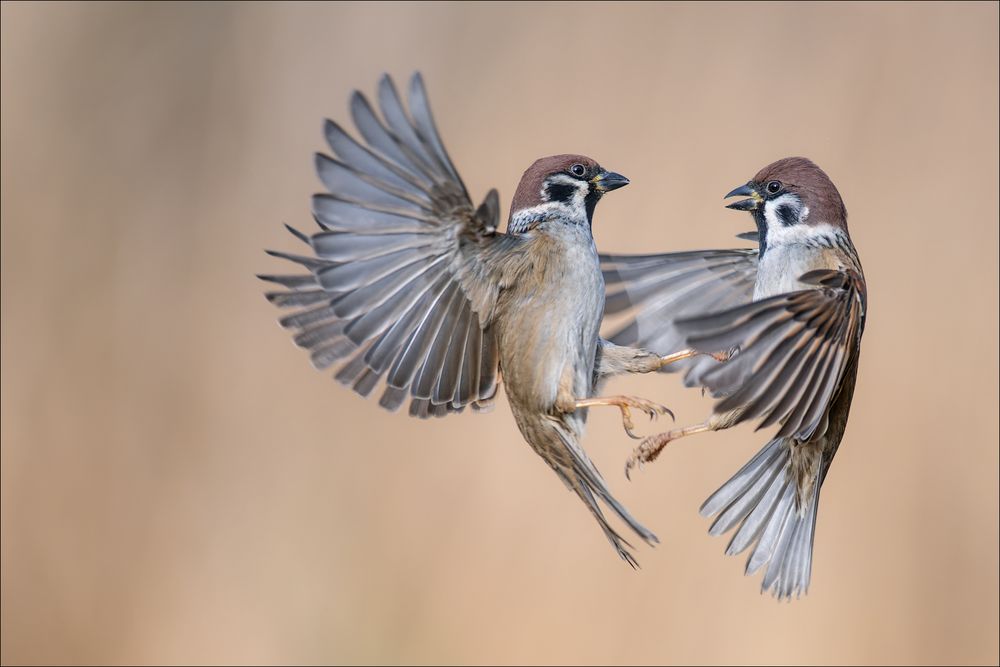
(410, 286)
(775, 334)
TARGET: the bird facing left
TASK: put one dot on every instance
(410, 285)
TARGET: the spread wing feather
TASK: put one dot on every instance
(792, 350)
(647, 294)
(399, 288)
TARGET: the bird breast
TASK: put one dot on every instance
(549, 320)
(781, 266)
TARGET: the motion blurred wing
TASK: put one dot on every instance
(399, 286)
(792, 352)
(647, 294)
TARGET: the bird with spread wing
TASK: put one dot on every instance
(774, 333)
(410, 286)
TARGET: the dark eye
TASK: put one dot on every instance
(578, 170)
(773, 187)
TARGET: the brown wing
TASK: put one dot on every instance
(397, 288)
(792, 350)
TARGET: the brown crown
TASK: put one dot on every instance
(801, 176)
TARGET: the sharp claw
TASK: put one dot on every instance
(652, 410)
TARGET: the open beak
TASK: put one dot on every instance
(606, 181)
(748, 190)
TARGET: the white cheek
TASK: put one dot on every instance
(577, 203)
(771, 210)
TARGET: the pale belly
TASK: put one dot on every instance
(780, 268)
(551, 325)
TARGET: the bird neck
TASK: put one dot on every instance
(527, 219)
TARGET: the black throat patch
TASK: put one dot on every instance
(590, 201)
(758, 217)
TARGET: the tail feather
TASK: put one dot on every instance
(761, 499)
(758, 475)
(774, 528)
(758, 517)
(796, 566)
(580, 475)
(620, 544)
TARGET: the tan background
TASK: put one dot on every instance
(180, 486)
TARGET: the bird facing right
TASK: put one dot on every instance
(410, 283)
(784, 324)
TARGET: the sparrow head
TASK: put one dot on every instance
(788, 193)
(563, 186)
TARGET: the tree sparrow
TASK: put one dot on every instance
(410, 283)
(785, 321)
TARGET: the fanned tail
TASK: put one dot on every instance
(761, 500)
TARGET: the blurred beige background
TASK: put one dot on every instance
(180, 486)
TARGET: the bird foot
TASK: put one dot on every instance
(626, 404)
(650, 448)
(647, 451)
(649, 408)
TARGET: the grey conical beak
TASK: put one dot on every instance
(606, 181)
(748, 190)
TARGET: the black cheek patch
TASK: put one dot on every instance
(787, 215)
(560, 192)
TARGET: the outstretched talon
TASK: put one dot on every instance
(650, 447)
(647, 451)
(688, 353)
(625, 404)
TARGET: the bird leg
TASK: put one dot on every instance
(615, 360)
(650, 447)
(625, 404)
(687, 354)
